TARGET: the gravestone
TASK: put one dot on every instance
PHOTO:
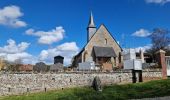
(97, 84)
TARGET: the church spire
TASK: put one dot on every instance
(91, 21)
(91, 29)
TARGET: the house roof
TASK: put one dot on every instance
(104, 52)
(59, 57)
(26, 67)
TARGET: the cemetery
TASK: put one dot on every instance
(103, 69)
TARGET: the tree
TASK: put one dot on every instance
(12, 66)
(18, 61)
(40, 67)
(160, 39)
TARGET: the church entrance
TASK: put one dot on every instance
(105, 57)
(105, 63)
(101, 60)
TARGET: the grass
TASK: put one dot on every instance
(114, 92)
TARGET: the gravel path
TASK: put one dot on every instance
(158, 98)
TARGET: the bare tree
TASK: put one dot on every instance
(18, 61)
(160, 39)
(40, 67)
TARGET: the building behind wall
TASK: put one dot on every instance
(58, 59)
(101, 48)
(58, 64)
(144, 56)
(25, 68)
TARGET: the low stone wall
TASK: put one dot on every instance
(151, 74)
(26, 83)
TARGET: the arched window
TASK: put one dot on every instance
(105, 41)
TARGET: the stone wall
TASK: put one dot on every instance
(151, 74)
(100, 37)
(28, 83)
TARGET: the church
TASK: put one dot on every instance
(101, 48)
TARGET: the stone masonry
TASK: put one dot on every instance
(14, 84)
(98, 40)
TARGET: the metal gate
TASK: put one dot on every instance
(168, 65)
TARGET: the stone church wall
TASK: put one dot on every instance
(12, 84)
(99, 40)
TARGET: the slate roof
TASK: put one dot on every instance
(59, 57)
(104, 52)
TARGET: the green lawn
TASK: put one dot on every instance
(120, 92)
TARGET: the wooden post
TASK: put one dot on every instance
(133, 76)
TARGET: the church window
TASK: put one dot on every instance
(120, 57)
(105, 41)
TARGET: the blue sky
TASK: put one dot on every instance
(129, 21)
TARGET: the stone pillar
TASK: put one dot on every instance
(142, 56)
(161, 61)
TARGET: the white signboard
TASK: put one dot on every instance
(133, 64)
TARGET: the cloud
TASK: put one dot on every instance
(12, 47)
(48, 37)
(143, 48)
(157, 1)
(10, 15)
(137, 49)
(67, 50)
(141, 33)
(13, 51)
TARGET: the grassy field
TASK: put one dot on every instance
(119, 92)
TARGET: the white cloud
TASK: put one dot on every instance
(141, 33)
(67, 50)
(13, 51)
(157, 1)
(12, 47)
(10, 15)
(48, 37)
(143, 48)
(15, 56)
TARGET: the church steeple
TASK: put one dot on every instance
(91, 21)
(91, 29)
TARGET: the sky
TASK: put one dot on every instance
(34, 30)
